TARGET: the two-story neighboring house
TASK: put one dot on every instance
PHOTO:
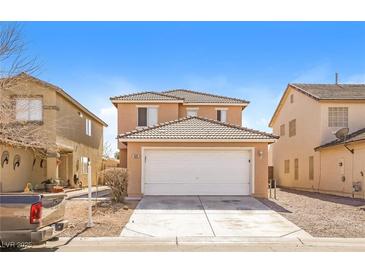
(307, 156)
(184, 142)
(75, 131)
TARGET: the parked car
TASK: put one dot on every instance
(31, 218)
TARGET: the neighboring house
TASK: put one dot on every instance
(306, 119)
(170, 149)
(76, 132)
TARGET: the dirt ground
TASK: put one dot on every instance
(321, 215)
(109, 219)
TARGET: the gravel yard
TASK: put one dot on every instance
(321, 215)
(109, 219)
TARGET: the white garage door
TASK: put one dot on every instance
(196, 172)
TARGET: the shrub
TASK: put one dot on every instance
(117, 180)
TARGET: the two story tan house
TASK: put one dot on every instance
(308, 156)
(183, 142)
(76, 132)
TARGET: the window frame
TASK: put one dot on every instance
(82, 160)
(148, 116)
(192, 110)
(311, 168)
(282, 130)
(220, 115)
(286, 166)
(296, 169)
(28, 100)
(291, 98)
(338, 122)
(292, 127)
(88, 127)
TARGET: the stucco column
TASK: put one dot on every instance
(52, 167)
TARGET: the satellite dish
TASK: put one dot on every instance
(342, 133)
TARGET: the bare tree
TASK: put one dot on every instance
(19, 124)
(13, 58)
(107, 150)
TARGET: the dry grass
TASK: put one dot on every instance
(321, 215)
(109, 219)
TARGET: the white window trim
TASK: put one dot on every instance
(223, 110)
(148, 118)
(83, 158)
(192, 110)
(88, 127)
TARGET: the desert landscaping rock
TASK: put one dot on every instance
(321, 215)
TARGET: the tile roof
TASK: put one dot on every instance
(201, 97)
(358, 135)
(198, 128)
(186, 96)
(146, 96)
(333, 92)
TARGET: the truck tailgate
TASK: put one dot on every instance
(15, 210)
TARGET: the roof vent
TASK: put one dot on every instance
(336, 78)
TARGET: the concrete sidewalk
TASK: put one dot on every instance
(201, 244)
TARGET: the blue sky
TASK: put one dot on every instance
(250, 60)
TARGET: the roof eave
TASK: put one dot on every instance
(141, 140)
(216, 104)
(114, 101)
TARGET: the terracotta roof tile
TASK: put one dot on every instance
(196, 128)
(146, 96)
(186, 96)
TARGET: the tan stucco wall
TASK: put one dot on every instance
(356, 118)
(134, 163)
(66, 128)
(71, 133)
(127, 114)
(311, 131)
(234, 113)
(16, 179)
(307, 113)
(331, 172)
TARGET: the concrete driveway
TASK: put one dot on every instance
(214, 216)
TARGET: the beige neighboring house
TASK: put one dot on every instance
(183, 142)
(308, 156)
(76, 132)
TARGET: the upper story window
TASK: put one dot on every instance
(282, 130)
(222, 115)
(291, 98)
(192, 112)
(29, 109)
(88, 127)
(337, 116)
(292, 127)
(147, 116)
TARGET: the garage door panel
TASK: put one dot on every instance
(196, 172)
(197, 189)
